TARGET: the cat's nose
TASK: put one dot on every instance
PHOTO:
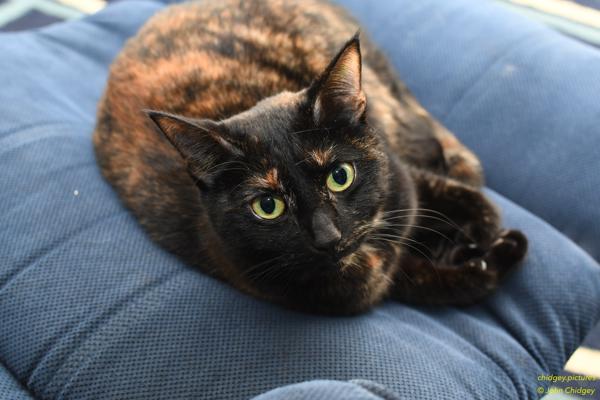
(325, 234)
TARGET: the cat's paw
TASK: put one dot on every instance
(465, 275)
(508, 250)
(503, 254)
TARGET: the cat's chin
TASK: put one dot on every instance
(348, 251)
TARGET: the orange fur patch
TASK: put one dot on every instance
(271, 178)
(269, 181)
(449, 142)
(374, 260)
(321, 157)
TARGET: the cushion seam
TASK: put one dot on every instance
(385, 394)
(106, 316)
(51, 247)
(18, 381)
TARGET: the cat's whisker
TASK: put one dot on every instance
(255, 266)
(288, 281)
(273, 269)
(390, 236)
(358, 234)
(431, 263)
(266, 274)
(444, 218)
(248, 271)
(418, 209)
(437, 219)
(232, 169)
(235, 188)
(421, 209)
(226, 163)
(394, 225)
(302, 161)
(304, 131)
(401, 242)
(350, 265)
(406, 275)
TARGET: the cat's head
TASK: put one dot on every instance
(294, 189)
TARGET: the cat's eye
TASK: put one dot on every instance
(341, 177)
(268, 207)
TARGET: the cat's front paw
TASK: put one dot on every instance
(502, 256)
(508, 250)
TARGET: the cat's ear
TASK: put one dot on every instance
(203, 143)
(338, 98)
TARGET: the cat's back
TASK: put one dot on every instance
(217, 58)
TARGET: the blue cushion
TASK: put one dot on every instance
(90, 308)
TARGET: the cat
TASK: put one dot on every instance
(271, 145)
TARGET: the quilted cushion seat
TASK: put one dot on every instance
(90, 308)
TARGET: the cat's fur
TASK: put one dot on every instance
(266, 97)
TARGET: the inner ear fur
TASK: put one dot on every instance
(202, 143)
(338, 95)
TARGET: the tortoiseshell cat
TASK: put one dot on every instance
(285, 157)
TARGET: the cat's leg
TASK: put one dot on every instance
(414, 126)
(461, 163)
(458, 251)
(464, 282)
(432, 147)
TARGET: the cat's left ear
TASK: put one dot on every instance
(337, 94)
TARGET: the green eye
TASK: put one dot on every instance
(268, 207)
(341, 177)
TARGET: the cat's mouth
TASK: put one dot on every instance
(337, 254)
(351, 246)
(348, 249)
(355, 239)
(335, 257)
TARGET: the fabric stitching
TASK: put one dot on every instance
(51, 247)
(107, 316)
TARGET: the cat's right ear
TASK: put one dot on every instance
(202, 143)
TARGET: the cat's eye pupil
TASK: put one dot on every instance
(340, 176)
(267, 204)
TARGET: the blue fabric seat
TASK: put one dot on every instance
(90, 308)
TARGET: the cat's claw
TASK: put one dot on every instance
(478, 264)
(483, 265)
